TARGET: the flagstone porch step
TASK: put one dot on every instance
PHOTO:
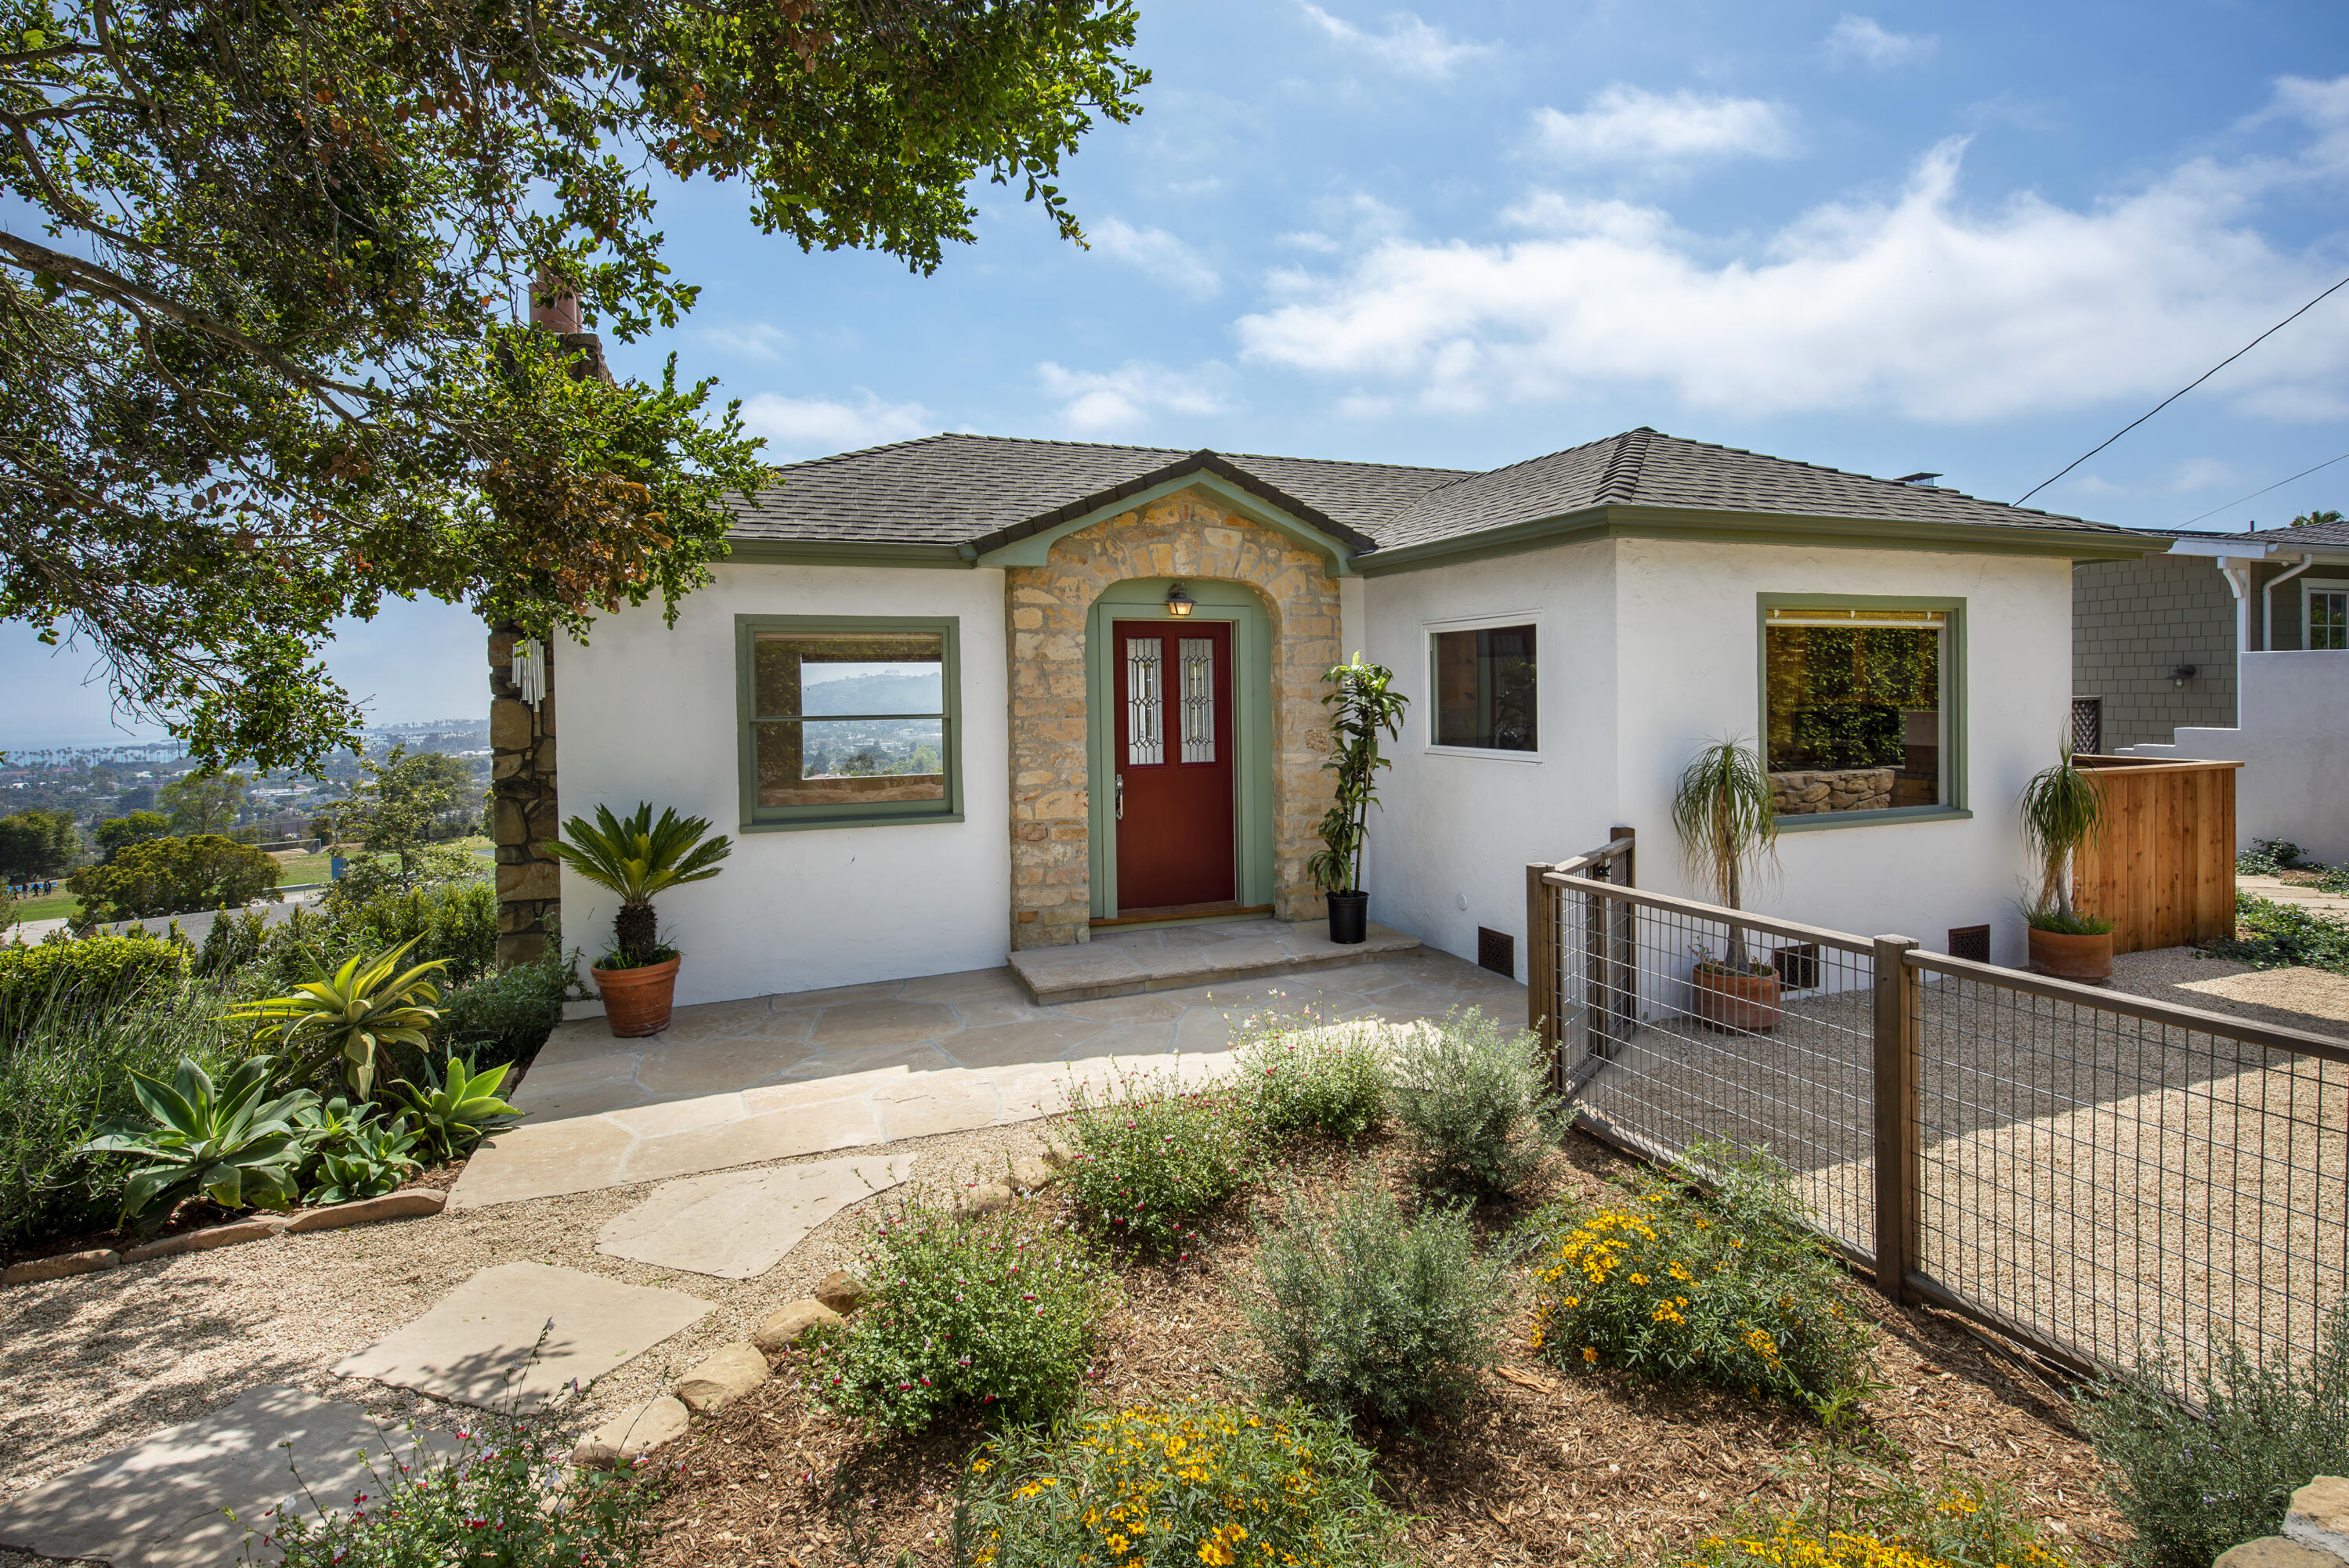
(1166, 958)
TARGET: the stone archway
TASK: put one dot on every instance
(1185, 535)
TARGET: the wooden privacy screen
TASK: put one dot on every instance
(2163, 870)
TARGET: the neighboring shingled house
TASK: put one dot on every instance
(2154, 639)
(965, 694)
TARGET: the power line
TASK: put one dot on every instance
(2257, 493)
(2181, 392)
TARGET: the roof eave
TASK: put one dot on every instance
(1029, 543)
(768, 550)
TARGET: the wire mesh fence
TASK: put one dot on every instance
(2119, 1182)
(2130, 1182)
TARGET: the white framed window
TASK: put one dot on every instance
(1484, 686)
(2324, 613)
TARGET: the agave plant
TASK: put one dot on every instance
(349, 1016)
(457, 1110)
(372, 1158)
(637, 859)
(222, 1141)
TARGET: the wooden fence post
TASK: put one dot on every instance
(1898, 1151)
(1541, 963)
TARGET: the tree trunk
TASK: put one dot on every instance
(635, 932)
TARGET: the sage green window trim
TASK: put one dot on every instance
(757, 818)
(1145, 599)
(1954, 805)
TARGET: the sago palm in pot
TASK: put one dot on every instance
(1727, 820)
(638, 858)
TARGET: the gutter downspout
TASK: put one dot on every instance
(2237, 571)
(2267, 609)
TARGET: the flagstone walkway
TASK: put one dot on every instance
(736, 1083)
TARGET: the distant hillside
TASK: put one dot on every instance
(888, 693)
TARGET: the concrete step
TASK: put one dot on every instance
(1171, 957)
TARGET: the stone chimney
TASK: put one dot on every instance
(559, 313)
(523, 812)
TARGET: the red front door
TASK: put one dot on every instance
(1172, 764)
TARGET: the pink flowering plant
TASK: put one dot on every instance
(502, 1494)
(993, 1316)
(1150, 1156)
(1302, 1074)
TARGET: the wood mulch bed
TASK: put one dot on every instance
(1543, 1467)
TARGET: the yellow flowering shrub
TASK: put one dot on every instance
(1159, 1486)
(1892, 1525)
(1721, 1287)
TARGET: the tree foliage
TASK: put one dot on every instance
(202, 802)
(172, 876)
(399, 819)
(131, 828)
(36, 844)
(263, 362)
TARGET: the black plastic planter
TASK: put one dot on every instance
(1350, 917)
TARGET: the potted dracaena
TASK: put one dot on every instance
(1361, 706)
(637, 859)
(1728, 821)
(2063, 809)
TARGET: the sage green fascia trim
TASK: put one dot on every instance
(1956, 711)
(1751, 528)
(1252, 825)
(906, 813)
(1819, 820)
(1034, 550)
(836, 552)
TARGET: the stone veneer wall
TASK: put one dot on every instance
(1187, 536)
(1809, 791)
(524, 813)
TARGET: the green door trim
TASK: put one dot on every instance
(1144, 598)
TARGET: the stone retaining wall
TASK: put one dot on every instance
(1187, 536)
(1808, 792)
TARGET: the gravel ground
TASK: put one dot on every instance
(94, 1362)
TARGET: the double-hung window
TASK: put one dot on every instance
(2325, 615)
(1858, 705)
(848, 720)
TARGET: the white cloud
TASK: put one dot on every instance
(1160, 256)
(748, 339)
(1120, 401)
(1408, 45)
(1865, 41)
(1632, 125)
(1917, 303)
(817, 426)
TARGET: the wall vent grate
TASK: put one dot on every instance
(1497, 951)
(1970, 942)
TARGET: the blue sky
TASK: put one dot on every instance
(1888, 238)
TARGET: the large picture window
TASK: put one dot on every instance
(1485, 689)
(1855, 707)
(848, 720)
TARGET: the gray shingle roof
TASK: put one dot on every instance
(985, 490)
(2321, 535)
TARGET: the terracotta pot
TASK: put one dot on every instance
(1746, 1003)
(2087, 959)
(637, 1001)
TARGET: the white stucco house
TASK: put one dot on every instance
(941, 696)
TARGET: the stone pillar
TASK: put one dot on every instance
(522, 811)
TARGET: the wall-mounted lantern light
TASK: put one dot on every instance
(1177, 601)
(2181, 675)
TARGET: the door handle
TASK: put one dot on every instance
(1120, 797)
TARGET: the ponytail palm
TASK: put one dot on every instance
(2061, 808)
(1726, 818)
(637, 858)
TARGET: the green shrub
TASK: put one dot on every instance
(489, 1499)
(1475, 1103)
(65, 1065)
(1179, 1485)
(456, 925)
(1364, 1309)
(2269, 857)
(85, 970)
(2193, 1484)
(1718, 1286)
(1884, 1523)
(1308, 1078)
(994, 1315)
(2282, 935)
(172, 876)
(503, 1018)
(1151, 1156)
